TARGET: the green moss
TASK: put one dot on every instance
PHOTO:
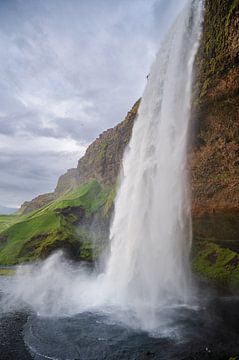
(92, 243)
(109, 202)
(217, 264)
(205, 86)
(101, 150)
(234, 5)
(86, 251)
(216, 54)
(220, 177)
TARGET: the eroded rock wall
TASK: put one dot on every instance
(215, 158)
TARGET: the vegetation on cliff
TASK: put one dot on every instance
(219, 50)
(215, 153)
(76, 215)
(83, 199)
(103, 157)
(101, 161)
(215, 156)
(28, 237)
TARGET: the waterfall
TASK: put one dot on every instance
(147, 271)
(150, 234)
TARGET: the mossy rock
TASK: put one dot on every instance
(217, 264)
(219, 49)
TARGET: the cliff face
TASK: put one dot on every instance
(103, 157)
(101, 162)
(66, 182)
(76, 216)
(215, 160)
(37, 203)
(215, 155)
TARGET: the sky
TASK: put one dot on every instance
(69, 69)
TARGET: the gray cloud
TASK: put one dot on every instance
(24, 174)
(68, 71)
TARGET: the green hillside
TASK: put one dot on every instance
(25, 238)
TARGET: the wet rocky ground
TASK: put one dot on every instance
(12, 346)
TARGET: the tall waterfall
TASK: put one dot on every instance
(147, 271)
(151, 230)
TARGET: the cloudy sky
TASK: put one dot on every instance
(69, 69)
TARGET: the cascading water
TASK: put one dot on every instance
(147, 270)
(151, 233)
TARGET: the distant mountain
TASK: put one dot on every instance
(7, 210)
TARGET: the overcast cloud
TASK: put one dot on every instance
(69, 69)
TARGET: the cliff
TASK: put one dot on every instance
(75, 217)
(101, 162)
(84, 195)
(66, 182)
(103, 157)
(214, 158)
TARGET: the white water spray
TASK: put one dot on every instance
(148, 268)
(151, 232)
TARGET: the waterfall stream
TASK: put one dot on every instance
(151, 230)
(147, 271)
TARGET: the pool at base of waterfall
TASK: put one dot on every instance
(210, 331)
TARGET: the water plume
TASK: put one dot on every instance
(151, 230)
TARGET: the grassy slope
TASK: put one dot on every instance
(25, 238)
(7, 220)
